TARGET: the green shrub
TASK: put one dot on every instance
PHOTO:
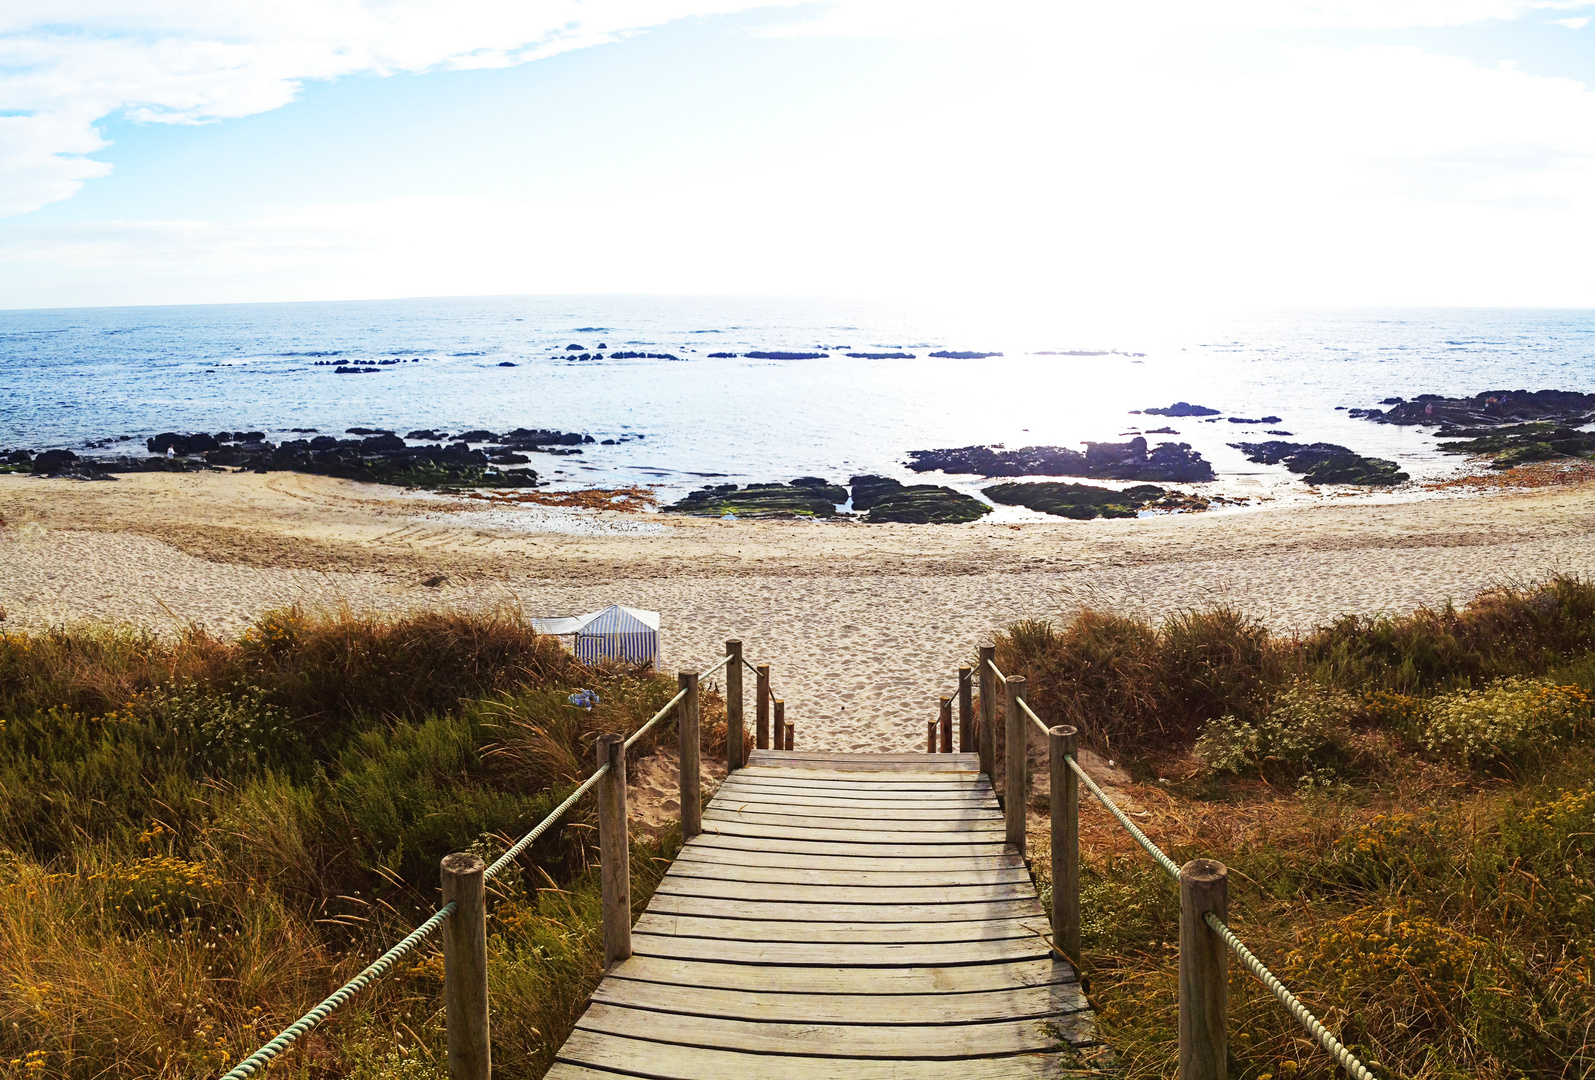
(1506, 722)
(1307, 731)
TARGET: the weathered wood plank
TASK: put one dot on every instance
(702, 852)
(1027, 907)
(811, 876)
(807, 797)
(735, 804)
(839, 759)
(653, 922)
(1019, 1003)
(903, 775)
(799, 953)
(929, 981)
(662, 1061)
(723, 826)
(940, 1042)
(894, 849)
(673, 885)
(973, 823)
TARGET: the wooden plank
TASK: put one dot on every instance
(938, 1042)
(662, 1061)
(973, 823)
(1026, 907)
(830, 894)
(805, 797)
(932, 982)
(653, 922)
(802, 759)
(928, 786)
(699, 851)
(1018, 1003)
(900, 812)
(864, 956)
(729, 827)
(812, 876)
(895, 849)
(896, 774)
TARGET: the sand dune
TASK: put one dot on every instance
(864, 625)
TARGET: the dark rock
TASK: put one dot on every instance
(1520, 444)
(763, 500)
(1325, 463)
(1105, 461)
(427, 433)
(952, 354)
(722, 356)
(1182, 408)
(182, 445)
(367, 431)
(885, 499)
(1492, 408)
(434, 581)
(527, 439)
(323, 442)
(1161, 431)
(507, 457)
(343, 369)
(1393, 401)
(882, 355)
(573, 348)
(1083, 502)
(786, 355)
(507, 363)
(55, 462)
(477, 436)
(1260, 420)
(251, 436)
(609, 442)
(386, 443)
(1286, 434)
(224, 436)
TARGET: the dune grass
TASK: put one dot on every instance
(1406, 808)
(199, 838)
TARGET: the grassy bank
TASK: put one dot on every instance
(200, 838)
(1406, 808)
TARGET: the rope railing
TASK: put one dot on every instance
(1025, 707)
(1152, 849)
(262, 1058)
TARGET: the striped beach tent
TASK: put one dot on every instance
(615, 633)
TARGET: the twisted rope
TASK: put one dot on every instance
(992, 664)
(1347, 1059)
(723, 662)
(380, 967)
(262, 1057)
(1025, 705)
(1140, 837)
(1336, 1048)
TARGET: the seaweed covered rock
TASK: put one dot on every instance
(1325, 463)
(1086, 501)
(805, 497)
(885, 499)
(1104, 461)
(1519, 444)
(1490, 409)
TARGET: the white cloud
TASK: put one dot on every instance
(65, 65)
(1572, 24)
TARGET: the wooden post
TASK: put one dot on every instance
(1061, 742)
(1204, 972)
(465, 968)
(790, 734)
(733, 706)
(778, 706)
(966, 712)
(946, 725)
(1013, 750)
(930, 736)
(988, 714)
(691, 781)
(761, 707)
(614, 849)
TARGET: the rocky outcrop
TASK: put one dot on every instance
(805, 497)
(884, 499)
(786, 355)
(1182, 408)
(1083, 502)
(1491, 409)
(1520, 444)
(956, 354)
(1325, 463)
(881, 355)
(1105, 461)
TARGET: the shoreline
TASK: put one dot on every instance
(856, 619)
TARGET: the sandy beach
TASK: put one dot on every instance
(864, 625)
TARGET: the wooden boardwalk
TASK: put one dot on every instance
(842, 917)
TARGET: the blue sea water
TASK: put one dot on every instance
(69, 376)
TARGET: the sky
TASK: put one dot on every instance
(1084, 156)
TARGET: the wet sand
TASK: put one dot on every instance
(864, 625)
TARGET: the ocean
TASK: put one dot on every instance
(71, 376)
